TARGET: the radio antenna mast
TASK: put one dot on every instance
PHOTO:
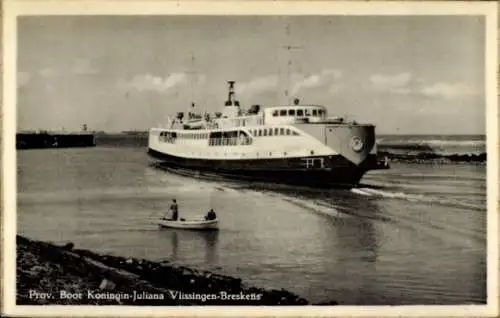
(192, 73)
(289, 48)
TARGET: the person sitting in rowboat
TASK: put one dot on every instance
(173, 214)
(210, 215)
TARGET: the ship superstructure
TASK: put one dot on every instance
(292, 144)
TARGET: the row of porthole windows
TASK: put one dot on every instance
(243, 154)
(263, 132)
(234, 154)
(298, 112)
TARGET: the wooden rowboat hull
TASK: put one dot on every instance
(191, 224)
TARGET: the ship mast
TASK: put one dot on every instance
(192, 73)
(289, 48)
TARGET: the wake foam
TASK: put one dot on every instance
(317, 207)
(416, 198)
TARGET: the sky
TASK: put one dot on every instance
(405, 74)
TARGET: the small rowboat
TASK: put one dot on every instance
(195, 224)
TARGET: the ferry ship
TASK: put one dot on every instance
(295, 144)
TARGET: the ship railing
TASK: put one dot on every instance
(233, 141)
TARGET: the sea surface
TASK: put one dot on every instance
(414, 234)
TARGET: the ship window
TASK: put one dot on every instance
(283, 112)
(275, 113)
(276, 131)
(315, 112)
(264, 132)
(291, 112)
(282, 131)
(300, 112)
(288, 131)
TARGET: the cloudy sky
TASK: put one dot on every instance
(405, 74)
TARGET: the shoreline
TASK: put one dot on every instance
(60, 274)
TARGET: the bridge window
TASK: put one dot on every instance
(265, 132)
(283, 112)
(288, 131)
(282, 131)
(276, 131)
(291, 112)
(275, 113)
(270, 131)
(300, 112)
(320, 112)
(315, 112)
(260, 132)
(308, 112)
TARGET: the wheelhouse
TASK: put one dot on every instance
(294, 114)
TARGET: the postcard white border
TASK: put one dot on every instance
(14, 8)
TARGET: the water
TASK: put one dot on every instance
(414, 234)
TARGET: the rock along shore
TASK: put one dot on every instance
(52, 274)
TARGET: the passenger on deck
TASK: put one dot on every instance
(210, 215)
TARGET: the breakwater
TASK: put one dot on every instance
(431, 157)
(39, 140)
(52, 274)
